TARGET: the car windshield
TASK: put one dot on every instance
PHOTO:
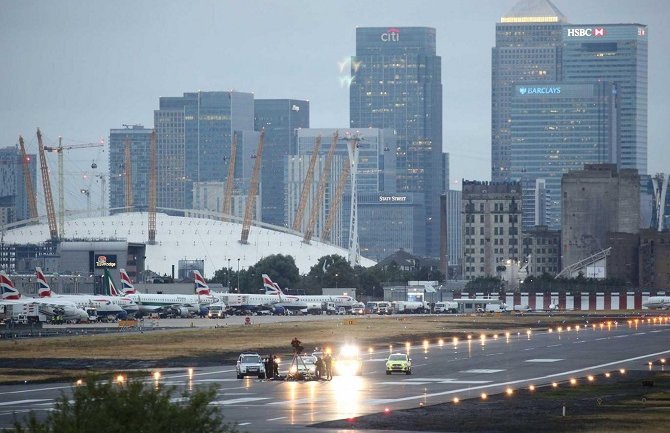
(309, 359)
(398, 357)
(250, 359)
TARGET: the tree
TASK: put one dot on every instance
(108, 407)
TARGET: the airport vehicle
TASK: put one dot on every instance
(310, 302)
(398, 363)
(408, 307)
(106, 306)
(358, 308)
(348, 362)
(167, 304)
(659, 302)
(378, 307)
(216, 311)
(68, 310)
(446, 307)
(250, 364)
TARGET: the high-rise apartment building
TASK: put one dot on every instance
(279, 118)
(138, 139)
(491, 217)
(528, 48)
(397, 84)
(194, 135)
(616, 53)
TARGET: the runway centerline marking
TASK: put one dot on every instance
(544, 360)
(481, 371)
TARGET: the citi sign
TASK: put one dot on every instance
(391, 35)
(596, 32)
(539, 90)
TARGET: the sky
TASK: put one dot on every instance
(77, 68)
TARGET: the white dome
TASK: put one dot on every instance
(187, 238)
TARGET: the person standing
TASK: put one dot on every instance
(319, 368)
(328, 361)
(269, 369)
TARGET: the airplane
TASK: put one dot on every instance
(310, 302)
(660, 302)
(106, 306)
(182, 305)
(53, 307)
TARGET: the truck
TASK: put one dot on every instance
(408, 307)
(446, 307)
(24, 314)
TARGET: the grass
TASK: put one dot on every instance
(201, 342)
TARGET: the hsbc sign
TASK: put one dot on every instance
(596, 32)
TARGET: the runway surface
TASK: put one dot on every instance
(442, 371)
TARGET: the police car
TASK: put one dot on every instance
(398, 363)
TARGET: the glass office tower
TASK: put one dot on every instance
(139, 139)
(557, 128)
(528, 48)
(618, 53)
(194, 135)
(279, 118)
(397, 84)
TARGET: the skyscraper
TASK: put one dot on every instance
(138, 138)
(279, 118)
(194, 134)
(528, 48)
(13, 196)
(554, 129)
(617, 53)
(397, 84)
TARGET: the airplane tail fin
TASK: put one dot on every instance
(7, 287)
(126, 285)
(270, 286)
(201, 287)
(43, 291)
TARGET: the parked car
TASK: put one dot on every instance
(250, 364)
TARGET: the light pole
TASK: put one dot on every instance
(238, 275)
(336, 275)
(229, 271)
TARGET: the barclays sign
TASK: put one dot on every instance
(545, 90)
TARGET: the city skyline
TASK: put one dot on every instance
(80, 69)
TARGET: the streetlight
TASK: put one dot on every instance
(336, 275)
(229, 271)
(238, 275)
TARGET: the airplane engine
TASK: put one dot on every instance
(204, 310)
(122, 315)
(278, 311)
(183, 312)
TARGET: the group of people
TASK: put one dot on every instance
(324, 367)
(271, 366)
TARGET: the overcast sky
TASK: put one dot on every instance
(77, 68)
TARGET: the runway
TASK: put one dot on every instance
(442, 372)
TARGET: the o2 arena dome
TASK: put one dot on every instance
(187, 238)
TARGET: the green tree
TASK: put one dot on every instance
(107, 407)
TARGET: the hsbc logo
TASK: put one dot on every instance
(596, 32)
(391, 35)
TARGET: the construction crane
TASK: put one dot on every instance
(228, 190)
(321, 190)
(253, 190)
(30, 191)
(297, 222)
(152, 189)
(336, 202)
(48, 198)
(128, 175)
(61, 199)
